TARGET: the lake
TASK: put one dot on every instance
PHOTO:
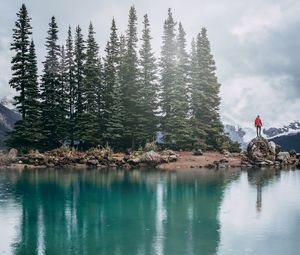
(149, 212)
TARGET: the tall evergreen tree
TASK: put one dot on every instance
(168, 80)
(148, 87)
(92, 81)
(196, 98)
(111, 63)
(181, 130)
(20, 45)
(62, 96)
(79, 61)
(130, 83)
(205, 96)
(113, 110)
(70, 86)
(28, 133)
(50, 89)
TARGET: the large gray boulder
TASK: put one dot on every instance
(283, 156)
(12, 154)
(260, 149)
(150, 157)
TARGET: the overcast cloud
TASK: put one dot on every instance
(256, 45)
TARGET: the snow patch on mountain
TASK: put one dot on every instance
(292, 128)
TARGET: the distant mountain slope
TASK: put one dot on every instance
(291, 128)
(288, 142)
(236, 134)
(7, 121)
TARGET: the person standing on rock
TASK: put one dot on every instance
(258, 125)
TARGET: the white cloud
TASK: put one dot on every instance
(5, 67)
(257, 21)
(243, 98)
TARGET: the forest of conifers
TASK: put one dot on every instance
(122, 99)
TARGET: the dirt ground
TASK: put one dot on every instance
(187, 160)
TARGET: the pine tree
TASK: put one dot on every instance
(196, 99)
(168, 79)
(62, 96)
(33, 113)
(92, 81)
(70, 86)
(115, 127)
(148, 87)
(20, 45)
(50, 87)
(27, 133)
(205, 96)
(113, 110)
(181, 130)
(130, 83)
(79, 61)
(111, 64)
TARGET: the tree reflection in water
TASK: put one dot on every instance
(117, 212)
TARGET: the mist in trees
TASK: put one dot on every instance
(122, 99)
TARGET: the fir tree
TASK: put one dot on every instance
(79, 60)
(181, 130)
(205, 96)
(27, 133)
(111, 64)
(113, 110)
(115, 125)
(92, 81)
(20, 45)
(70, 86)
(168, 79)
(62, 96)
(50, 87)
(130, 84)
(196, 98)
(148, 87)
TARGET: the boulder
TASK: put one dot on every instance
(92, 162)
(273, 147)
(283, 156)
(12, 154)
(150, 157)
(293, 153)
(198, 152)
(259, 149)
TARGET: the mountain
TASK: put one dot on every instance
(7, 120)
(288, 142)
(292, 128)
(236, 134)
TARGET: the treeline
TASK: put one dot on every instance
(122, 99)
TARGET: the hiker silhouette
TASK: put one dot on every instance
(258, 125)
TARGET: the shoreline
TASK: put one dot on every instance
(102, 159)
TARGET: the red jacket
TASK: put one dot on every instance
(258, 122)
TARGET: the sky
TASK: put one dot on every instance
(256, 45)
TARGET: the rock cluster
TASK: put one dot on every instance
(260, 152)
(100, 158)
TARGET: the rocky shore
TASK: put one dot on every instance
(65, 157)
(262, 153)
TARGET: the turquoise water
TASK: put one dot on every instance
(147, 212)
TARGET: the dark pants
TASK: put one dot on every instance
(258, 130)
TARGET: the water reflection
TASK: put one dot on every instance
(261, 178)
(136, 212)
(260, 213)
(115, 212)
